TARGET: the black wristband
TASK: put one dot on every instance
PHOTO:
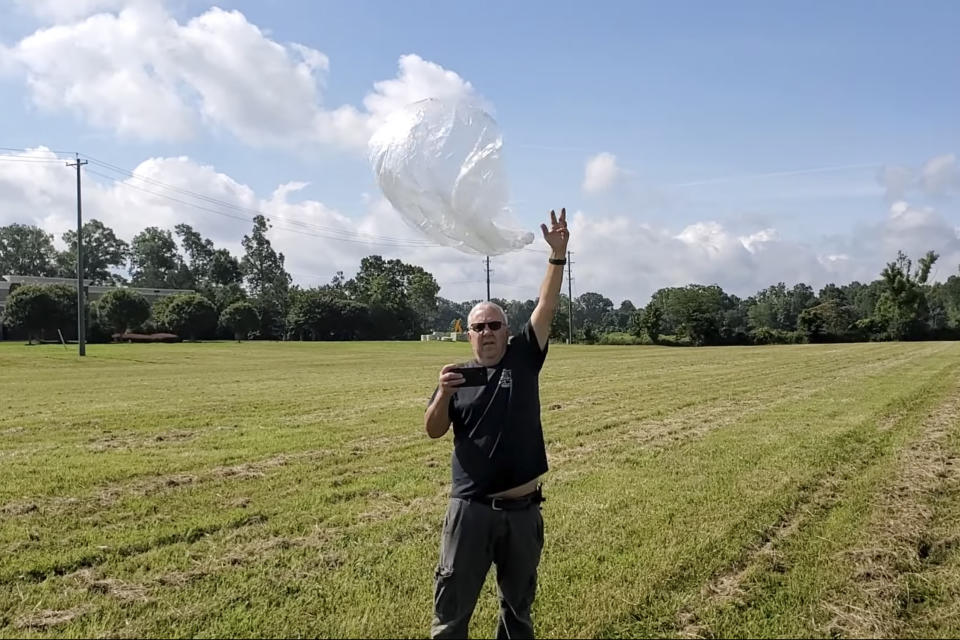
(558, 261)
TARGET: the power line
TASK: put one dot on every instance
(22, 149)
(358, 238)
(236, 207)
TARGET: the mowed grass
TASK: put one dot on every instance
(266, 489)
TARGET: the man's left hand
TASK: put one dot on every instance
(558, 235)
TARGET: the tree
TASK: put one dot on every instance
(267, 280)
(863, 297)
(902, 307)
(830, 321)
(624, 315)
(102, 250)
(778, 308)
(402, 298)
(241, 318)
(123, 309)
(154, 261)
(39, 308)
(198, 251)
(27, 251)
(648, 322)
(596, 312)
(833, 293)
(192, 315)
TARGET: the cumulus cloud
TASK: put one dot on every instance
(67, 10)
(141, 73)
(939, 176)
(601, 173)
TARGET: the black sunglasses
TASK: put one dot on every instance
(478, 326)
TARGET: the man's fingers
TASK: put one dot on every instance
(543, 228)
(563, 216)
(553, 217)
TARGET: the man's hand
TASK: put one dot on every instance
(437, 419)
(449, 380)
(558, 235)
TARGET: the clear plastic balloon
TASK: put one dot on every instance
(438, 163)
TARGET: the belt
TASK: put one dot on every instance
(512, 504)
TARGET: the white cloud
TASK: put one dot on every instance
(601, 173)
(67, 10)
(939, 176)
(614, 255)
(141, 73)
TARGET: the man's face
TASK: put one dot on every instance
(489, 345)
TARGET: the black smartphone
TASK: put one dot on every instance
(472, 376)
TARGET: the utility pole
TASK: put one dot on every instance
(570, 294)
(488, 277)
(81, 308)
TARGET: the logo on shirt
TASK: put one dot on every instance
(506, 379)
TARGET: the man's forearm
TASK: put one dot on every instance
(437, 419)
(550, 288)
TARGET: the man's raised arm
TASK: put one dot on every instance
(557, 237)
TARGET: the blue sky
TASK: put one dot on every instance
(697, 103)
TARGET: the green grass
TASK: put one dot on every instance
(289, 490)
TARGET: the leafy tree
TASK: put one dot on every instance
(648, 322)
(777, 307)
(267, 280)
(27, 251)
(830, 321)
(39, 308)
(123, 309)
(102, 250)
(902, 307)
(863, 297)
(241, 318)
(402, 298)
(155, 262)
(192, 315)
(596, 313)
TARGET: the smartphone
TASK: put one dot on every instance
(472, 376)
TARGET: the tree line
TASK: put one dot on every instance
(253, 297)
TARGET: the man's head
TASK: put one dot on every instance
(489, 343)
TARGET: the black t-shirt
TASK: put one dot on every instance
(497, 435)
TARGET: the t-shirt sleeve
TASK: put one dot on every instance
(528, 347)
(451, 408)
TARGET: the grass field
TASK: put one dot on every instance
(289, 490)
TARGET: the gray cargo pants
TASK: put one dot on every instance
(474, 536)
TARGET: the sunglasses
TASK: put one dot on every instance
(478, 326)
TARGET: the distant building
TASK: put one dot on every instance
(9, 284)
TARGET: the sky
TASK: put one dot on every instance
(739, 144)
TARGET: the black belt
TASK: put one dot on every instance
(512, 504)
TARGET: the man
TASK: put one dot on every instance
(498, 458)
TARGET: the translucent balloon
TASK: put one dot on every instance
(438, 163)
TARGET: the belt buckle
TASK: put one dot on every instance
(493, 504)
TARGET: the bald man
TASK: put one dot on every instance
(498, 459)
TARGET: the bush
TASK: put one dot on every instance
(140, 337)
(36, 308)
(191, 315)
(623, 338)
(765, 335)
(122, 310)
(241, 318)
